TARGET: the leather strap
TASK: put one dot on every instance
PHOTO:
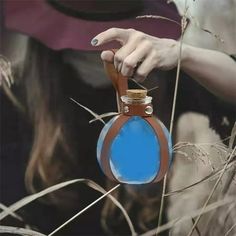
(120, 84)
(112, 133)
(164, 150)
(136, 109)
(119, 81)
(105, 153)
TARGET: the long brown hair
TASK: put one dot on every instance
(43, 97)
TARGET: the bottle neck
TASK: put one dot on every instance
(128, 100)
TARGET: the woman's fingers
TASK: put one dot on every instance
(119, 56)
(113, 34)
(122, 54)
(145, 68)
(133, 59)
(139, 54)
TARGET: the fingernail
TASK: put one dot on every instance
(94, 42)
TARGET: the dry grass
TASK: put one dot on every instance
(228, 168)
(23, 202)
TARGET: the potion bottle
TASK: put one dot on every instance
(134, 147)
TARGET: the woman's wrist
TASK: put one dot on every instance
(186, 55)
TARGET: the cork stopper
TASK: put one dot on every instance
(136, 93)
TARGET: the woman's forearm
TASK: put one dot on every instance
(214, 70)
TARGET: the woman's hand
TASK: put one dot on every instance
(140, 53)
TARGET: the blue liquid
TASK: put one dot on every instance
(134, 152)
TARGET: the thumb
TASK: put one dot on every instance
(107, 56)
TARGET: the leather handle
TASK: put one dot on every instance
(119, 81)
